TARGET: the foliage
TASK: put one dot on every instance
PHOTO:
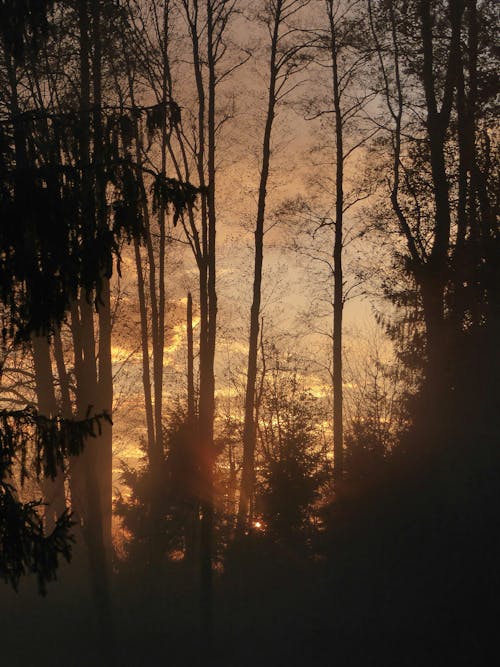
(171, 489)
(56, 240)
(53, 439)
(169, 191)
(292, 467)
(23, 23)
(24, 545)
(442, 197)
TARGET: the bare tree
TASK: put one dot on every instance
(287, 58)
(346, 63)
(192, 151)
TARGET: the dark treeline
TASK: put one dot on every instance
(274, 506)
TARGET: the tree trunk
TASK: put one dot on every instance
(207, 378)
(191, 403)
(66, 407)
(434, 273)
(93, 507)
(146, 374)
(192, 523)
(141, 282)
(338, 296)
(53, 490)
(249, 429)
(104, 397)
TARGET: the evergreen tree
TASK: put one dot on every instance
(70, 194)
(292, 467)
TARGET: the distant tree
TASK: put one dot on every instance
(342, 107)
(375, 416)
(291, 463)
(179, 478)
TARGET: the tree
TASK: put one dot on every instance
(346, 61)
(287, 58)
(25, 545)
(375, 417)
(291, 464)
(207, 25)
(66, 179)
(151, 285)
(427, 57)
(31, 300)
(178, 477)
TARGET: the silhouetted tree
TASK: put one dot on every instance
(180, 478)
(287, 58)
(69, 195)
(25, 545)
(341, 51)
(291, 465)
(441, 194)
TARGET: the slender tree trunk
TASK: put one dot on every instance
(249, 429)
(192, 524)
(191, 404)
(159, 344)
(146, 374)
(435, 275)
(104, 398)
(338, 288)
(158, 325)
(207, 379)
(141, 282)
(64, 388)
(53, 490)
(76, 463)
(105, 393)
(208, 306)
(93, 455)
(96, 456)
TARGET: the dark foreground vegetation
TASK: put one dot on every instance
(297, 522)
(407, 575)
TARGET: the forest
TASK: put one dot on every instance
(250, 314)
